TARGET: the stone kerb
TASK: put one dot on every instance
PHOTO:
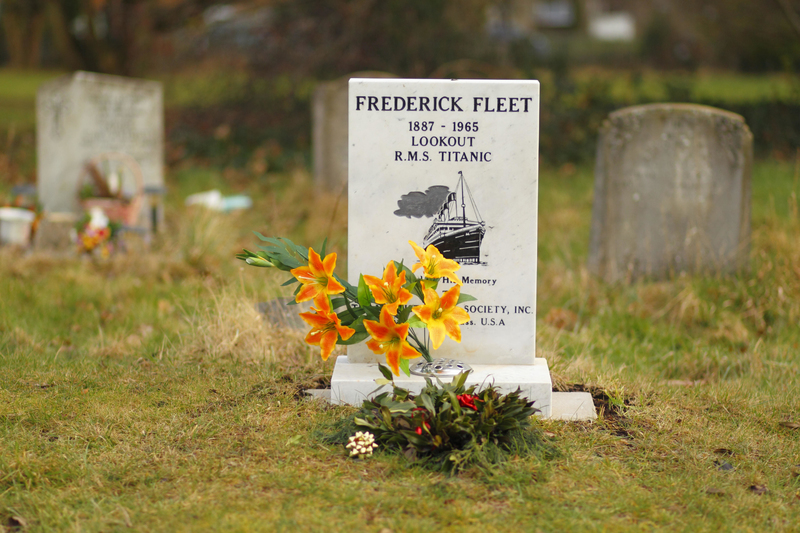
(329, 135)
(671, 193)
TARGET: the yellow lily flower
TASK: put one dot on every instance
(326, 328)
(317, 279)
(389, 290)
(441, 315)
(390, 338)
(434, 264)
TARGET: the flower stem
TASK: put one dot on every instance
(421, 348)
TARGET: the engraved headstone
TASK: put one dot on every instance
(83, 115)
(329, 135)
(453, 164)
(672, 192)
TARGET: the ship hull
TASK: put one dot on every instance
(462, 244)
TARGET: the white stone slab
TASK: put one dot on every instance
(573, 406)
(352, 383)
(409, 143)
(83, 114)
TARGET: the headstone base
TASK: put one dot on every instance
(352, 383)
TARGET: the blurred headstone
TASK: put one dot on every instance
(56, 233)
(281, 313)
(83, 114)
(671, 193)
(329, 136)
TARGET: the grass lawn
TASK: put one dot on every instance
(146, 393)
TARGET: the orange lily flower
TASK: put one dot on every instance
(389, 290)
(317, 279)
(390, 338)
(326, 328)
(434, 264)
(441, 315)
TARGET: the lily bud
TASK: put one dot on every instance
(259, 262)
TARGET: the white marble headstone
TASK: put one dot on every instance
(410, 142)
(83, 114)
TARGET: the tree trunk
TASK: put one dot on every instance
(14, 29)
(23, 25)
(33, 48)
(62, 38)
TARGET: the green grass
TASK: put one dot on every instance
(18, 96)
(145, 392)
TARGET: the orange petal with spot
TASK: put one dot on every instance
(327, 343)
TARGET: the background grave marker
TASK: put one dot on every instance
(672, 192)
(82, 115)
(329, 135)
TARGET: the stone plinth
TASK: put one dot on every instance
(352, 383)
(672, 193)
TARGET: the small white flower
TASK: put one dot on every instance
(361, 444)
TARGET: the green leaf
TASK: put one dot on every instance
(403, 312)
(404, 366)
(364, 294)
(349, 317)
(337, 302)
(382, 381)
(460, 379)
(289, 282)
(386, 372)
(411, 279)
(415, 322)
(427, 402)
(454, 402)
(432, 283)
(465, 298)
(324, 247)
(355, 339)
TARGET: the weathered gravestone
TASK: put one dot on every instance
(454, 164)
(82, 115)
(672, 192)
(329, 135)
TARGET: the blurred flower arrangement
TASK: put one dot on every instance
(95, 233)
(377, 310)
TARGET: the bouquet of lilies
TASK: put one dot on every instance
(377, 310)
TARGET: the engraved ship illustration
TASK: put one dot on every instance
(452, 233)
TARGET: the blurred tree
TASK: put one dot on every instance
(724, 33)
(110, 36)
(408, 37)
(23, 26)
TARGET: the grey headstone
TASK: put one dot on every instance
(329, 136)
(671, 193)
(82, 115)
